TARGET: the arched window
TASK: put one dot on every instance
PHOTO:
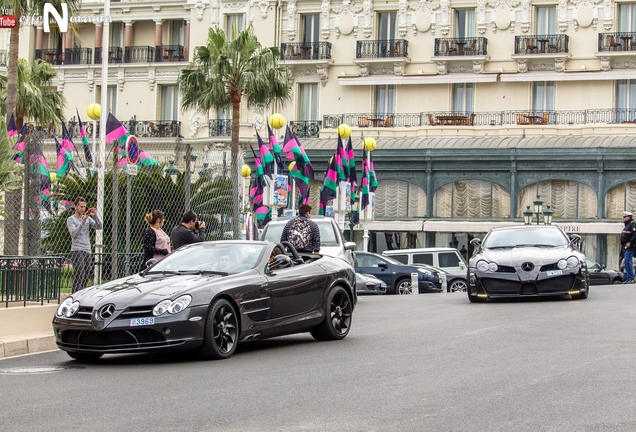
(620, 197)
(396, 198)
(472, 199)
(567, 199)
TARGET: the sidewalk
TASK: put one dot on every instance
(26, 329)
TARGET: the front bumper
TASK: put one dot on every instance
(182, 331)
(430, 287)
(519, 284)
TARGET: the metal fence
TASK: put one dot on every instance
(185, 177)
(30, 279)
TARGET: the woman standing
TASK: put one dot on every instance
(156, 241)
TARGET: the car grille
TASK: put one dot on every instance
(556, 285)
(136, 312)
(549, 267)
(84, 313)
(122, 339)
(505, 269)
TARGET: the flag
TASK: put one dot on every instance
(64, 159)
(12, 130)
(87, 148)
(340, 157)
(329, 186)
(353, 176)
(364, 190)
(40, 169)
(267, 160)
(19, 146)
(302, 183)
(114, 129)
(373, 181)
(296, 152)
(275, 148)
(67, 143)
(263, 216)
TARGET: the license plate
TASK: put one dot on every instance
(554, 272)
(142, 321)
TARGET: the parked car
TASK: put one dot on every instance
(369, 284)
(533, 260)
(332, 241)
(599, 275)
(396, 275)
(447, 259)
(197, 298)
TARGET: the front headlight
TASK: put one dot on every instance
(64, 307)
(572, 262)
(172, 307)
(484, 266)
(569, 263)
(424, 271)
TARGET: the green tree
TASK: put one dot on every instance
(227, 73)
(37, 102)
(10, 172)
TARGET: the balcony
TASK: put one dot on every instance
(169, 53)
(4, 55)
(78, 56)
(392, 51)
(615, 45)
(448, 50)
(52, 56)
(306, 128)
(139, 128)
(115, 55)
(552, 47)
(306, 51)
(220, 127)
(139, 54)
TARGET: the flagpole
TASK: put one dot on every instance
(101, 159)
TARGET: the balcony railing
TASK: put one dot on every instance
(169, 53)
(115, 55)
(493, 118)
(447, 47)
(139, 54)
(542, 44)
(4, 55)
(78, 56)
(305, 129)
(623, 41)
(52, 56)
(153, 128)
(220, 127)
(382, 49)
(306, 50)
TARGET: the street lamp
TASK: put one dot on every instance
(528, 215)
(171, 170)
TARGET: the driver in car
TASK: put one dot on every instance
(224, 263)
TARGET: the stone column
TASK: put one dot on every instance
(186, 48)
(98, 35)
(39, 34)
(158, 39)
(68, 40)
(128, 34)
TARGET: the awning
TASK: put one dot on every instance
(615, 74)
(417, 79)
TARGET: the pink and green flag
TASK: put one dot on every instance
(12, 130)
(296, 152)
(329, 186)
(275, 148)
(267, 160)
(85, 144)
(64, 159)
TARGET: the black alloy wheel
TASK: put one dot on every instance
(221, 331)
(338, 314)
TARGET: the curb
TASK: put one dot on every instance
(27, 345)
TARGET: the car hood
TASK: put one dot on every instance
(141, 290)
(516, 256)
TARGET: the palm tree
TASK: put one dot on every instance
(225, 73)
(35, 101)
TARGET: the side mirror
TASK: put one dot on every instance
(476, 242)
(350, 246)
(382, 264)
(151, 262)
(574, 238)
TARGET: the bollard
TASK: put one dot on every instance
(415, 286)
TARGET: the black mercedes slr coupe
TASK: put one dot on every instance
(209, 297)
(534, 260)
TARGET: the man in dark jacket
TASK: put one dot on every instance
(301, 232)
(628, 242)
(188, 231)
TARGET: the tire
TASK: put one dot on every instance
(84, 356)
(403, 286)
(617, 281)
(221, 333)
(583, 295)
(338, 313)
(458, 285)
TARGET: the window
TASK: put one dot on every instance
(386, 32)
(308, 104)
(311, 28)
(626, 17)
(370, 261)
(384, 100)
(178, 33)
(404, 259)
(116, 34)
(169, 102)
(546, 20)
(625, 100)
(448, 259)
(111, 98)
(464, 23)
(543, 96)
(463, 98)
(423, 259)
(234, 24)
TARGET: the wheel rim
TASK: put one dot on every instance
(458, 286)
(340, 313)
(404, 288)
(224, 326)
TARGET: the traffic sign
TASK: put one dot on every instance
(132, 149)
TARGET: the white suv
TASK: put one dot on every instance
(332, 242)
(447, 259)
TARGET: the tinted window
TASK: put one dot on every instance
(448, 259)
(404, 259)
(423, 258)
(368, 261)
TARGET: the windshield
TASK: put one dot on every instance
(539, 236)
(224, 258)
(328, 236)
(392, 260)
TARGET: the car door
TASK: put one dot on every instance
(297, 289)
(597, 277)
(376, 266)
